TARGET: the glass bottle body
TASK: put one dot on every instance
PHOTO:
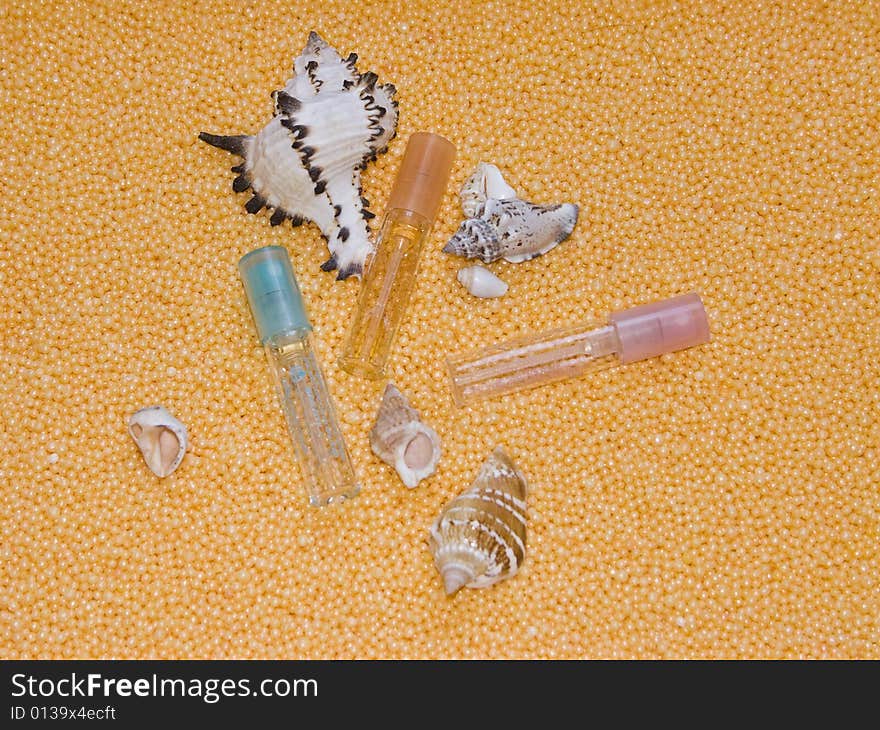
(311, 418)
(389, 279)
(533, 360)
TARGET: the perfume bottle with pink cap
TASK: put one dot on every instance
(629, 335)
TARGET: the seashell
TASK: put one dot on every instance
(305, 165)
(507, 228)
(479, 538)
(513, 230)
(400, 438)
(486, 182)
(481, 282)
(161, 438)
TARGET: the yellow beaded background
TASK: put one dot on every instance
(719, 502)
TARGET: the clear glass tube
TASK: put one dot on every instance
(311, 418)
(629, 335)
(390, 272)
(389, 279)
(527, 362)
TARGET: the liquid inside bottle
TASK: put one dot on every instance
(311, 419)
(388, 284)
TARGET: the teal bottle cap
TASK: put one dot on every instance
(272, 292)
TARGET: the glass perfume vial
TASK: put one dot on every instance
(390, 271)
(284, 330)
(632, 334)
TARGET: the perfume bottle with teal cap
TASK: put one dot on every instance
(284, 330)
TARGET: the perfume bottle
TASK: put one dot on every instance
(280, 316)
(632, 334)
(390, 271)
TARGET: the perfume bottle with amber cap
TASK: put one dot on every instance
(390, 272)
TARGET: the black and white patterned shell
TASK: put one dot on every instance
(330, 121)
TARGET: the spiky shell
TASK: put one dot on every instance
(479, 538)
(329, 122)
(161, 438)
(400, 439)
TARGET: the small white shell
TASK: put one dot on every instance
(161, 438)
(479, 538)
(481, 282)
(486, 182)
(400, 438)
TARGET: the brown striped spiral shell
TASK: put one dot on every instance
(479, 538)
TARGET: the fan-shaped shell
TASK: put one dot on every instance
(400, 438)
(479, 538)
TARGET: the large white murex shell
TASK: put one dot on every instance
(479, 538)
(400, 438)
(305, 164)
(161, 438)
(506, 227)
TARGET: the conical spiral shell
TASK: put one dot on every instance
(400, 438)
(500, 225)
(514, 230)
(479, 538)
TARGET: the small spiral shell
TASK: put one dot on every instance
(514, 230)
(400, 438)
(479, 538)
(486, 182)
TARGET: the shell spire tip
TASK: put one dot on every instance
(454, 579)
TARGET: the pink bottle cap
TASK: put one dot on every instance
(660, 327)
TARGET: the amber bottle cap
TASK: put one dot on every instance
(424, 174)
